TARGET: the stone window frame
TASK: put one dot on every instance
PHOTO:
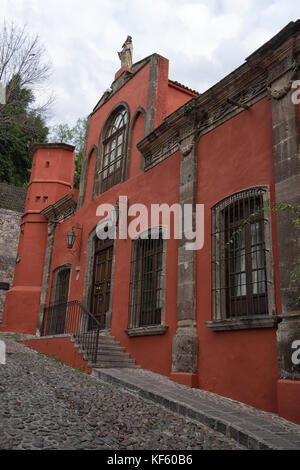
(55, 274)
(133, 330)
(219, 321)
(98, 186)
(88, 276)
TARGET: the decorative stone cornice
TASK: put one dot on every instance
(283, 91)
(61, 210)
(185, 151)
(50, 146)
(234, 94)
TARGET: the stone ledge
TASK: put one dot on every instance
(251, 431)
(146, 330)
(244, 323)
(63, 335)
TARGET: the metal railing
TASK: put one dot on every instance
(72, 318)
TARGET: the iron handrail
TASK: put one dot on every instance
(73, 318)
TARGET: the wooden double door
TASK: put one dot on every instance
(101, 287)
(57, 312)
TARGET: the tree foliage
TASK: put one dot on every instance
(23, 69)
(24, 57)
(21, 129)
(76, 136)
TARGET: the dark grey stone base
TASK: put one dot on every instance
(185, 350)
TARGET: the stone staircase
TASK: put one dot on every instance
(109, 353)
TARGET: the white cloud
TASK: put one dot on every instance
(203, 39)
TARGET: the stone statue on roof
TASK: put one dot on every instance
(126, 53)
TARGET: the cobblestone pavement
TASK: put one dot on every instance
(47, 405)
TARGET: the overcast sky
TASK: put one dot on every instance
(204, 40)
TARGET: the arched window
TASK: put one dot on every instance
(242, 266)
(114, 151)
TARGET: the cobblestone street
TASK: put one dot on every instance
(47, 405)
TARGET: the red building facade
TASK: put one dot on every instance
(223, 317)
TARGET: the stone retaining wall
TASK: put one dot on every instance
(12, 201)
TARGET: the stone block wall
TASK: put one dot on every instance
(12, 202)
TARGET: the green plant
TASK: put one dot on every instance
(294, 210)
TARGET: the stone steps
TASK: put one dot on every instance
(109, 353)
(109, 364)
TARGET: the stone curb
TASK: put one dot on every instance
(249, 431)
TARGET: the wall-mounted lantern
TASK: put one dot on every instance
(72, 237)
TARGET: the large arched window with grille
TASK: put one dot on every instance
(242, 265)
(114, 150)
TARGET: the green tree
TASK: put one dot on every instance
(75, 136)
(20, 128)
(23, 56)
(23, 70)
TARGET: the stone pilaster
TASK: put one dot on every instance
(152, 91)
(287, 190)
(46, 275)
(185, 341)
(287, 187)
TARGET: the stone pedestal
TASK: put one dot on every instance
(185, 348)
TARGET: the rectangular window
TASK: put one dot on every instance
(146, 307)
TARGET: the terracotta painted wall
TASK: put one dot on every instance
(134, 92)
(149, 352)
(288, 393)
(177, 97)
(53, 180)
(60, 348)
(237, 155)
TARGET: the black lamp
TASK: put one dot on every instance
(70, 238)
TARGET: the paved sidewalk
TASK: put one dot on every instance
(252, 428)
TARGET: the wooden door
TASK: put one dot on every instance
(59, 309)
(101, 288)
